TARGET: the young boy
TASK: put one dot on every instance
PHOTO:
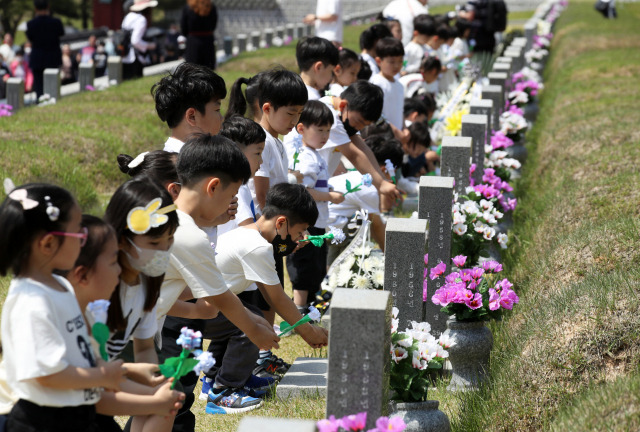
(316, 57)
(188, 100)
(424, 82)
(415, 110)
(308, 266)
(246, 255)
(419, 159)
(368, 40)
(389, 57)
(424, 28)
(211, 169)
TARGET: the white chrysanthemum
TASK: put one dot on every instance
(333, 281)
(361, 282)
(363, 250)
(348, 262)
(489, 233)
(479, 227)
(344, 276)
(369, 265)
(460, 229)
(502, 240)
(485, 204)
(459, 218)
(378, 278)
(470, 207)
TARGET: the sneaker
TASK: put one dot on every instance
(271, 365)
(206, 386)
(259, 386)
(227, 400)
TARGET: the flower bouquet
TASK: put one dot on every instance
(364, 269)
(357, 423)
(513, 124)
(177, 367)
(473, 294)
(414, 353)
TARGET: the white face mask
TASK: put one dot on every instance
(151, 262)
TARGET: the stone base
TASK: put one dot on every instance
(421, 416)
(306, 377)
(518, 152)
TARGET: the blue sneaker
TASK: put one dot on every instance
(259, 386)
(227, 400)
(206, 386)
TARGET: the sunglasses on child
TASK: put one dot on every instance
(82, 235)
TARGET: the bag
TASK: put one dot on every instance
(122, 42)
(496, 16)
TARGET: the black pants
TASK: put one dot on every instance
(38, 81)
(308, 267)
(132, 70)
(29, 417)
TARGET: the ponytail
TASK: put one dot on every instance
(237, 100)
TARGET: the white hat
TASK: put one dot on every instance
(140, 5)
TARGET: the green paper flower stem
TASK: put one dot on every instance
(287, 328)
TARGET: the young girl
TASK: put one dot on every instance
(238, 103)
(94, 277)
(47, 351)
(346, 72)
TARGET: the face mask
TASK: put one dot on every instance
(350, 130)
(282, 247)
(152, 263)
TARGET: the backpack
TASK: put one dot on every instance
(122, 42)
(496, 16)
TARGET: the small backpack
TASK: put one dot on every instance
(497, 16)
(122, 42)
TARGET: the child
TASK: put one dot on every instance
(47, 351)
(316, 57)
(368, 40)
(415, 110)
(419, 158)
(188, 100)
(238, 105)
(389, 57)
(424, 82)
(346, 72)
(158, 165)
(394, 27)
(245, 255)
(424, 28)
(308, 266)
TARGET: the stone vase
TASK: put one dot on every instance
(518, 152)
(469, 356)
(421, 416)
(531, 111)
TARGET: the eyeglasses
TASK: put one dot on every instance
(81, 235)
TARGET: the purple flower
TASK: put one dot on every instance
(437, 271)
(393, 424)
(477, 272)
(494, 300)
(329, 425)
(459, 260)
(504, 284)
(426, 260)
(424, 290)
(474, 302)
(492, 266)
(354, 422)
(451, 277)
(517, 110)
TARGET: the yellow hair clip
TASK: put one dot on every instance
(141, 219)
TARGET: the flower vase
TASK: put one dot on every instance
(494, 254)
(518, 151)
(469, 355)
(421, 416)
(531, 111)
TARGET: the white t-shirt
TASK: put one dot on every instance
(405, 11)
(140, 323)
(331, 31)
(336, 89)
(393, 100)
(137, 23)
(7, 396)
(173, 145)
(413, 54)
(337, 138)
(313, 94)
(245, 257)
(316, 176)
(274, 161)
(245, 211)
(366, 198)
(372, 63)
(43, 332)
(192, 264)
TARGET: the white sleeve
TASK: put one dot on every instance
(137, 33)
(148, 325)
(268, 156)
(327, 7)
(244, 204)
(413, 57)
(259, 265)
(308, 167)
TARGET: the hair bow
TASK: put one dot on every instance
(141, 219)
(20, 195)
(138, 160)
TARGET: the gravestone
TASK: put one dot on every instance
(266, 424)
(508, 61)
(300, 31)
(242, 42)
(482, 107)
(15, 93)
(405, 243)
(268, 37)
(501, 67)
(455, 161)
(228, 46)
(307, 376)
(496, 94)
(114, 69)
(309, 30)
(517, 54)
(475, 126)
(529, 31)
(86, 75)
(499, 79)
(434, 205)
(51, 84)
(291, 28)
(280, 32)
(255, 40)
(359, 357)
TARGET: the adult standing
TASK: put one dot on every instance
(199, 21)
(136, 22)
(328, 20)
(6, 49)
(44, 33)
(478, 13)
(405, 11)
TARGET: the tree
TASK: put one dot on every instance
(13, 12)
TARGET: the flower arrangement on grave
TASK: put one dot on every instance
(357, 423)
(453, 123)
(99, 330)
(6, 110)
(473, 294)
(513, 125)
(190, 359)
(494, 186)
(362, 270)
(414, 353)
(448, 103)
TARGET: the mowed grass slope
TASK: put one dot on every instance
(568, 357)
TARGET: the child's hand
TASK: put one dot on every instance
(315, 336)
(298, 175)
(264, 337)
(167, 401)
(336, 197)
(229, 214)
(113, 373)
(145, 373)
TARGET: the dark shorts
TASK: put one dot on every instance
(29, 417)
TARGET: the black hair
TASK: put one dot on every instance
(206, 155)
(412, 105)
(428, 100)
(237, 101)
(461, 26)
(316, 113)
(425, 25)
(293, 201)
(347, 58)
(136, 192)
(440, 19)
(157, 164)
(278, 86)
(365, 70)
(313, 49)
(41, 5)
(369, 37)
(443, 31)
(189, 86)
(419, 135)
(100, 233)
(242, 131)
(365, 98)
(380, 128)
(389, 22)
(384, 149)
(429, 63)
(389, 47)
(21, 227)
